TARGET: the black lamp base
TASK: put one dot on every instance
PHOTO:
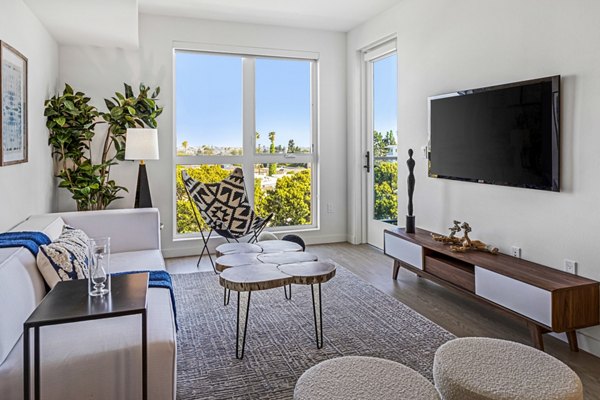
(410, 224)
(142, 193)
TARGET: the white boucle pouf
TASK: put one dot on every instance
(484, 368)
(352, 377)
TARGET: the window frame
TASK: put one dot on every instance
(249, 156)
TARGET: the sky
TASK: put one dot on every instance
(209, 99)
(385, 99)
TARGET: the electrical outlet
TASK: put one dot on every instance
(516, 251)
(330, 208)
(571, 267)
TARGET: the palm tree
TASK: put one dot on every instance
(272, 167)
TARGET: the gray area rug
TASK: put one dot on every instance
(358, 319)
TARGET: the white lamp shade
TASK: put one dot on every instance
(142, 144)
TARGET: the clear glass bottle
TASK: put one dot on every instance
(99, 266)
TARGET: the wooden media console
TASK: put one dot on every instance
(548, 299)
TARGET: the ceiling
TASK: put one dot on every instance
(333, 15)
(114, 23)
(107, 23)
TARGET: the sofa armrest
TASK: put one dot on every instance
(128, 229)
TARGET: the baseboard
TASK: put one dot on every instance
(181, 252)
(586, 343)
(193, 246)
(324, 239)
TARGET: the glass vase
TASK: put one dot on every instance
(99, 266)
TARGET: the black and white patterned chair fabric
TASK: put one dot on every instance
(224, 206)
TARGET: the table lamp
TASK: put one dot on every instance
(142, 144)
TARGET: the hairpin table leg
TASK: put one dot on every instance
(318, 314)
(226, 296)
(285, 291)
(243, 307)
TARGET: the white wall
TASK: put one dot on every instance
(27, 189)
(445, 45)
(99, 72)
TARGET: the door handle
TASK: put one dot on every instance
(368, 165)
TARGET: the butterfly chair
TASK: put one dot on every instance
(225, 208)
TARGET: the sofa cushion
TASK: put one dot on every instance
(102, 358)
(21, 284)
(21, 289)
(128, 229)
(51, 225)
(143, 260)
(66, 258)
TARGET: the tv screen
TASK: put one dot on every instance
(503, 135)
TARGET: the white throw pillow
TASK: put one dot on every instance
(66, 258)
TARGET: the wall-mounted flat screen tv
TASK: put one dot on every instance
(504, 135)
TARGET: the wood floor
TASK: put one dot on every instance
(453, 311)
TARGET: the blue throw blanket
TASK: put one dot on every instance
(159, 279)
(30, 240)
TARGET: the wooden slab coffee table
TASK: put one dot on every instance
(232, 255)
(248, 272)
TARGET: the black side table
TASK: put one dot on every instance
(69, 302)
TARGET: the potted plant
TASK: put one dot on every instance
(71, 121)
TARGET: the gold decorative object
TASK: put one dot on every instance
(461, 245)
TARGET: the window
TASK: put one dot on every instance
(253, 112)
(209, 105)
(283, 106)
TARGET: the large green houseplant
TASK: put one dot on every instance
(71, 121)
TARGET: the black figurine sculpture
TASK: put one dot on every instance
(410, 218)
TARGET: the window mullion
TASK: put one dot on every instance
(248, 122)
(203, 159)
(282, 159)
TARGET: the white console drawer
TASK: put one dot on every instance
(515, 295)
(403, 250)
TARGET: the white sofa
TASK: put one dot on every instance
(94, 359)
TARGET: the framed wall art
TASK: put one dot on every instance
(13, 105)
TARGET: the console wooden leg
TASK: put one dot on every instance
(396, 269)
(572, 336)
(536, 333)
